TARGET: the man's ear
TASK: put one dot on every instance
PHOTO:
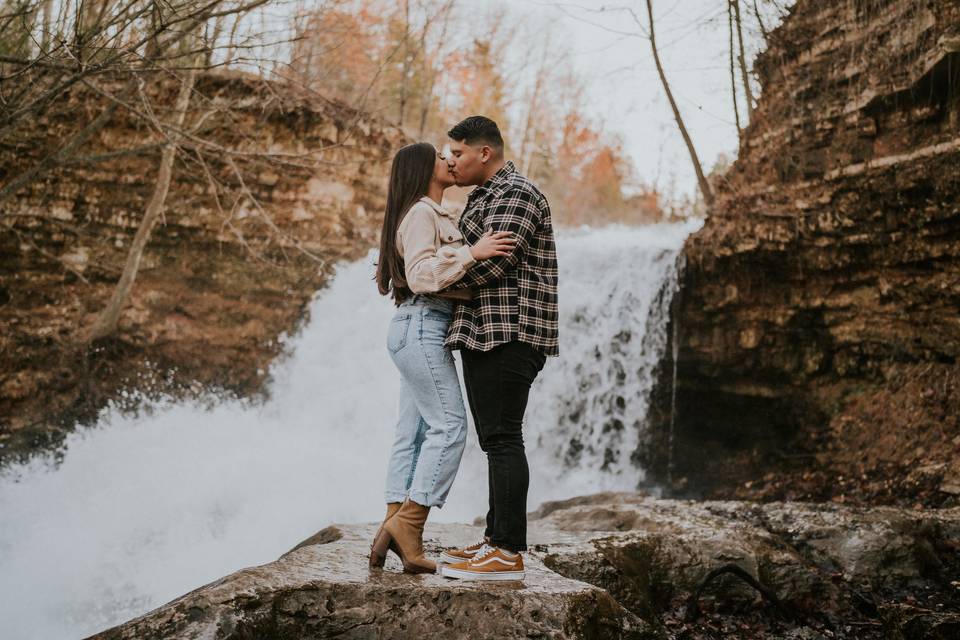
(485, 154)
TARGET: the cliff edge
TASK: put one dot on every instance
(817, 324)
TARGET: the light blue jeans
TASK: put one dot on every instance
(432, 427)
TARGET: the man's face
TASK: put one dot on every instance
(466, 162)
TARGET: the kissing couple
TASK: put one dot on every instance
(484, 285)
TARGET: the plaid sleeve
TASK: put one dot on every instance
(515, 211)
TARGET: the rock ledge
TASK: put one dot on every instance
(606, 566)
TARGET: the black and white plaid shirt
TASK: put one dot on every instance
(515, 296)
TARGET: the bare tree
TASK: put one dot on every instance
(429, 60)
(45, 25)
(747, 91)
(763, 29)
(115, 49)
(406, 63)
(106, 322)
(526, 146)
(212, 38)
(705, 189)
(120, 39)
(733, 75)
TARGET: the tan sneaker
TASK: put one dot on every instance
(464, 554)
(490, 563)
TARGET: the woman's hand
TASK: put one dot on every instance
(493, 244)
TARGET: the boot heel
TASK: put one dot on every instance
(378, 551)
(376, 561)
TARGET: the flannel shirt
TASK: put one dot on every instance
(514, 296)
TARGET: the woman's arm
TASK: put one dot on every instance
(427, 268)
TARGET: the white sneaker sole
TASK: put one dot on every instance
(459, 574)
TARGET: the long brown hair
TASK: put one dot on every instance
(410, 177)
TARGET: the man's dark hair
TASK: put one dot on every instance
(478, 129)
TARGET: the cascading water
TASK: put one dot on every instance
(591, 404)
(674, 356)
(145, 508)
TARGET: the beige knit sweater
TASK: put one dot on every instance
(434, 254)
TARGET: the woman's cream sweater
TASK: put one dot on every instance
(434, 254)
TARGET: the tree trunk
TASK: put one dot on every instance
(701, 178)
(89, 27)
(407, 63)
(428, 77)
(106, 322)
(211, 41)
(763, 29)
(231, 42)
(525, 152)
(733, 75)
(429, 70)
(747, 92)
(46, 22)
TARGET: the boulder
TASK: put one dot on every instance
(324, 589)
(614, 565)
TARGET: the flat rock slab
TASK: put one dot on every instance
(323, 588)
(602, 566)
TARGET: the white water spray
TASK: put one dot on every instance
(143, 509)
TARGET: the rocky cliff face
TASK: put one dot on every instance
(274, 188)
(818, 318)
(608, 566)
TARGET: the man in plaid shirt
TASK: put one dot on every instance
(504, 336)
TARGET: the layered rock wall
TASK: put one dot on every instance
(270, 189)
(829, 267)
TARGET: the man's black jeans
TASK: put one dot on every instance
(498, 385)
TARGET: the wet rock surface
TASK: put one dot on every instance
(610, 566)
(325, 590)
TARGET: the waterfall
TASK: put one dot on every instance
(589, 406)
(144, 508)
(674, 356)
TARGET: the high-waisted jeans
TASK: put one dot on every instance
(432, 428)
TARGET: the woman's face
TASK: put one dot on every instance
(441, 172)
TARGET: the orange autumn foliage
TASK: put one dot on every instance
(424, 67)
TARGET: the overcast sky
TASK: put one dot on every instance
(625, 92)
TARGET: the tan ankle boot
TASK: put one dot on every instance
(406, 530)
(376, 560)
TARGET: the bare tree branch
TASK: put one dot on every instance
(763, 29)
(705, 189)
(33, 245)
(733, 75)
(106, 322)
(747, 91)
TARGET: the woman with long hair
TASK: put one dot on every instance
(421, 254)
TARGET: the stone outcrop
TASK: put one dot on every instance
(608, 566)
(323, 589)
(271, 191)
(819, 305)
